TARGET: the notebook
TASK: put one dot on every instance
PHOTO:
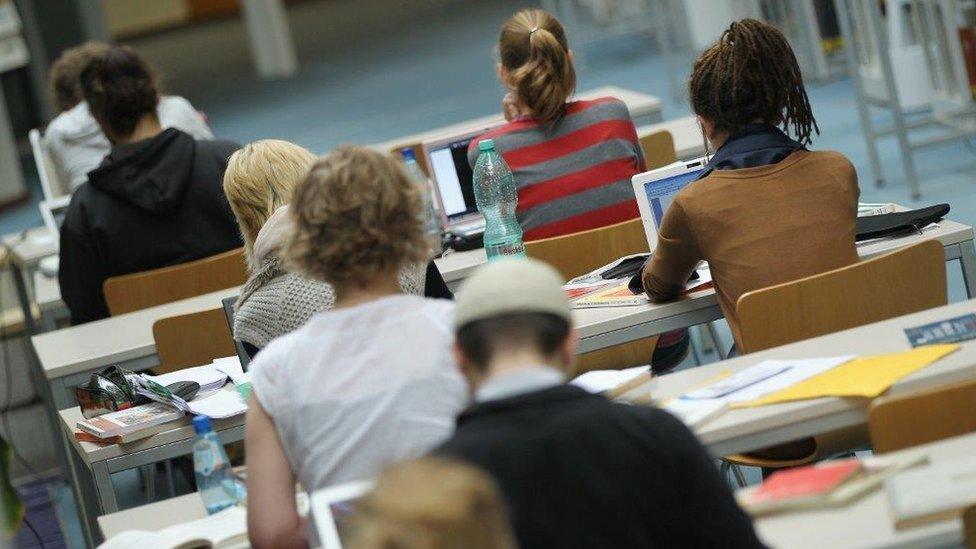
(930, 494)
(224, 530)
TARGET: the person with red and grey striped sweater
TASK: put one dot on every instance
(572, 160)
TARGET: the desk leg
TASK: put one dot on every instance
(106, 490)
(967, 260)
(20, 281)
(85, 496)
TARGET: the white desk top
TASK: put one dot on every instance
(867, 522)
(30, 247)
(745, 429)
(125, 337)
(689, 143)
(47, 293)
(639, 105)
(154, 516)
(96, 344)
(90, 452)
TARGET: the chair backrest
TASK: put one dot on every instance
(658, 149)
(969, 526)
(578, 253)
(51, 183)
(136, 291)
(908, 280)
(192, 340)
(901, 421)
(242, 354)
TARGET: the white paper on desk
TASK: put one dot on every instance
(600, 381)
(232, 367)
(695, 412)
(209, 378)
(220, 405)
(797, 371)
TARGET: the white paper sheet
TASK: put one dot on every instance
(220, 405)
(599, 381)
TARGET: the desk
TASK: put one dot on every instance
(68, 356)
(747, 429)
(93, 464)
(27, 249)
(868, 522)
(154, 516)
(689, 143)
(47, 297)
(644, 109)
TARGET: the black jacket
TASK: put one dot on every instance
(581, 471)
(150, 204)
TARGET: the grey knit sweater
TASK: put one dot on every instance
(274, 301)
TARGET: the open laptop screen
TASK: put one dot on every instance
(661, 192)
(454, 178)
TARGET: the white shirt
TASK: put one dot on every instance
(77, 143)
(518, 383)
(357, 389)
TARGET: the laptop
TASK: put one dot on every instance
(331, 510)
(453, 178)
(656, 189)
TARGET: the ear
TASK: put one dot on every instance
(568, 350)
(468, 370)
(571, 56)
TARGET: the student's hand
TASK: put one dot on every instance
(510, 107)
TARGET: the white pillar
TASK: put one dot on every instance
(11, 177)
(272, 46)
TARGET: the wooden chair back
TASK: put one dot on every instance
(908, 280)
(969, 527)
(579, 253)
(192, 340)
(911, 419)
(136, 291)
(658, 149)
(418, 153)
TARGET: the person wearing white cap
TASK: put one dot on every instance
(577, 469)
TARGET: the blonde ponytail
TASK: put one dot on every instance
(535, 53)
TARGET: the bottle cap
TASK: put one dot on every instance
(408, 154)
(201, 424)
(486, 145)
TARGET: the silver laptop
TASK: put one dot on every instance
(447, 164)
(656, 189)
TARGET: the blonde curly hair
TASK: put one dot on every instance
(356, 215)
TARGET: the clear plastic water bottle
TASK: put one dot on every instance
(431, 219)
(497, 197)
(215, 482)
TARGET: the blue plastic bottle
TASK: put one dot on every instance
(497, 197)
(214, 479)
(430, 217)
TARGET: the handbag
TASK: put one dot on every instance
(877, 226)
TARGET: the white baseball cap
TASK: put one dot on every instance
(511, 285)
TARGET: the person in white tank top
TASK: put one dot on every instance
(362, 386)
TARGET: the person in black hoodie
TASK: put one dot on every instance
(577, 469)
(156, 199)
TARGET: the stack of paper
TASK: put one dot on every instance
(613, 382)
(930, 494)
(210, 378)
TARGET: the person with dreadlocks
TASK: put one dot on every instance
(766, 210)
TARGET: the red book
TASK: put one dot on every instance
(806, 482)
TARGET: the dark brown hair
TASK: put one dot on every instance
(534, 51)
(481, 340)
(120, 87)
(751, 75)
(66, 73)
(355, 215)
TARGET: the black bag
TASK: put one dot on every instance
(876, 226)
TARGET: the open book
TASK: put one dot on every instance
(225, 530)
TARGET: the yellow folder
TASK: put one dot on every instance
(862, 377)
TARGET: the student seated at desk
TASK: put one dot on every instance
(74, 138)
(577, 469)
(154, 201)
(767, 210)
(432, 503)
(371, 381)
(572, 160)
(259, 183)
